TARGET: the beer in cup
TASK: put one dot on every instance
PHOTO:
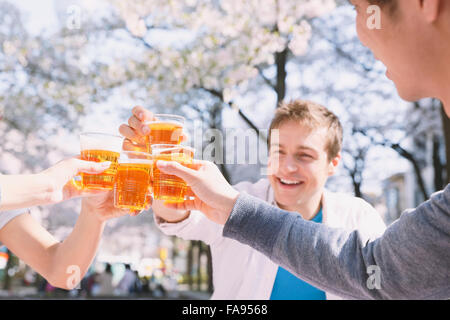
(165, 129)
(168, 187)
(100, 147)
(131, 187)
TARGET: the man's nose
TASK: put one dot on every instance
(289, 165)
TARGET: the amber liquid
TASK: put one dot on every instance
(168, 187)
(104, 180)
(132, 186)
(164, 133)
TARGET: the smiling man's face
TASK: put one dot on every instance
(298, 164)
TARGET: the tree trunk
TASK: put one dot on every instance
(407, 155)
(438, 167)
(209, 269)
(446, 127)
(280, 87)
(357, 187)
(190, 262)
(198, 244)
(216, 123)
(355, 174)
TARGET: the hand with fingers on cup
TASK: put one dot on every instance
(145, 128)
(213, 195)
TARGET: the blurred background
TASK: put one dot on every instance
(69, 66)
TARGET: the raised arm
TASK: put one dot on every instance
(47, 187)
(409, 261)
(64, 263)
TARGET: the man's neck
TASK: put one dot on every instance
(445, 94)
(307, 210)
(445, 98)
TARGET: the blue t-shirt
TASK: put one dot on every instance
(289, 287)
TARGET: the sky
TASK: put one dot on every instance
(44, 16)
(38, 16)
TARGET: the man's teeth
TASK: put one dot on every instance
(289, 182)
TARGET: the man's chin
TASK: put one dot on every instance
(410, 97)
(287, 204)
(409, 94)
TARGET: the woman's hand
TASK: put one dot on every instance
(102, 206)
(48, 187)
(59, 178)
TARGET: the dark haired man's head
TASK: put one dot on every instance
(413, 42)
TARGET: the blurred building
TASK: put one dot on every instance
(402, 190)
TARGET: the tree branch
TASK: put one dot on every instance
(250, 123)
(266, 80)
(403, 153)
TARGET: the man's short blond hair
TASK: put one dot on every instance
(314, 116)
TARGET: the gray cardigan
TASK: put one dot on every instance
(411, 260)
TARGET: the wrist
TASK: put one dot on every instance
(164, 214)
(45, 184)
(88, 212)
(229, 203)
(177, 219)
(40, 188)
(27, 190)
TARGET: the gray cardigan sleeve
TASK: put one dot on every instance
(411, 260)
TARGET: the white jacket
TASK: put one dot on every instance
(239, 271)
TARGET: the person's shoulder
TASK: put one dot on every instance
(347, 204)
(353, 212)
(445, 193)
(438, 203)
(345, 199)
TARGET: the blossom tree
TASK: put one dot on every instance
(218, 47)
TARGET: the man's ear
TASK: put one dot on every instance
(430, 9)
(333, 165)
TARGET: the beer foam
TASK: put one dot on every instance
(180, 149)
(135, 161)
(173, 122)
(93, 141)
